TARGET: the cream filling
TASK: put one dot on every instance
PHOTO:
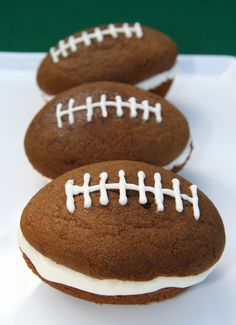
(182, 157)
(46, 97)
(58, 273)
(146, 84)
(158, 79)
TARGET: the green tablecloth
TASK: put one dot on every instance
(207, 27)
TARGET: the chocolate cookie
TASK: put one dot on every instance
(106, 121)
(121, 232)
(128, 53)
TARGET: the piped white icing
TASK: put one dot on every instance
(98, 34)
(119, 104)
(58, 273)
(157, 190)
(158, 79)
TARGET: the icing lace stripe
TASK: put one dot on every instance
(98, 35)
(119, 104)
(157, 190)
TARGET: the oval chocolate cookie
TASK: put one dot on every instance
(106, 121)
(121, 232)
(128, 53)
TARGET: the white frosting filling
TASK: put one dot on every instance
(147, 84)
(182, 157)
(158, 79)
(58, 273)
(46, 97)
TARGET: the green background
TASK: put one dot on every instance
(207, 27)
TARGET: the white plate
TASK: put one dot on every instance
(205, 90)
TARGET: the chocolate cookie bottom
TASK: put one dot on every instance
(163, 88)
(131, 299)
(178, 168)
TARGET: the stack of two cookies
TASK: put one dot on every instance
(113, 227)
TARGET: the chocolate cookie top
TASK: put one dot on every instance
(127, 53)
(125, 220)
(104, 121)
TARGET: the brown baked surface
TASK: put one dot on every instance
(131, 242)
(125, 60)
(131, 299)
(53, 151)
(163, 88)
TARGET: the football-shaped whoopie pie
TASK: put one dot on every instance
(106, 121)
(128, 53)
(121, 232)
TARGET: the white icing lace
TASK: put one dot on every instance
(98, 35)
(103, 104)
(157, 190)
